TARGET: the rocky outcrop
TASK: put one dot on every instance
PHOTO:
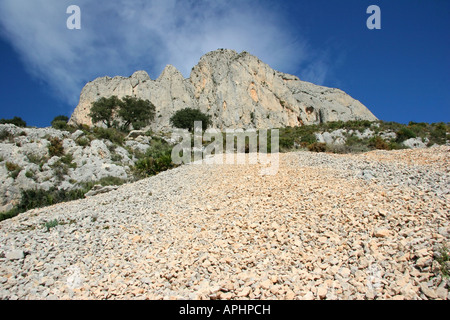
(237, 89)
(26, 163)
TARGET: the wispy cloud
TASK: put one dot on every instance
(120, 37)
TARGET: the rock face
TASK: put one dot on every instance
(237, 89)
(25, 162)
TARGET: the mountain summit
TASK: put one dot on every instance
(237, 89)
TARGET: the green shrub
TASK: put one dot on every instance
(157, 158)
(378, 143)
(51, 224)
(396, 146)
(185, 118)
(149, 166)
(14, 173)
(339, 148)
(83, 142)
(11, 166)
(317, 147)
(286, 142)
(356, 145)
(55, 147)
(60, 122)
(110, 134)
(9, 214)
(443, 258)
(308, 138)
(404, 134)
(17, 121)
(438, 133)
(111, 181)
(59, 125)
(334, 125)
(14, 169)
(38, 198)
(6, 135)
(36, 159)
(60, 170)
(115, 157)
(68, 160)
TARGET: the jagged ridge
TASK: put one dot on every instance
(237, 89)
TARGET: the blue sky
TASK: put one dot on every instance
(401, 72)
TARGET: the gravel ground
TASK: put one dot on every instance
(326, 226)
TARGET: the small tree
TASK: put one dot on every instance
(136, 112)
(103, 110)
(185, 118)
(60, 122)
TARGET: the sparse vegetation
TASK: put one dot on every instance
(6, 135)
(60, 122)
(158, 156)
(157, 159)
(13, 169)
(443, 259)
(317, 147)
(304, 136)
(29, 174)
(38, 198)
(83, 142)
(55, 148)
(11, 166)
(404, 134)
(378, 143)
(111, 134)
(17, 121)
(36, 159)
(51, 224)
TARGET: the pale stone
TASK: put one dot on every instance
(244, 292)
(266, 284)
(430, 293)
(14, 255)
(237, 89)
(382, 233)
(322, 292)
(441, 293)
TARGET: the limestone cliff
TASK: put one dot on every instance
(237, 89)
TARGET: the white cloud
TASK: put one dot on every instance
(120, 37)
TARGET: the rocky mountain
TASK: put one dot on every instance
(237, 89)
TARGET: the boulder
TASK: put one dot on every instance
(414, 143)
(98, 189)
